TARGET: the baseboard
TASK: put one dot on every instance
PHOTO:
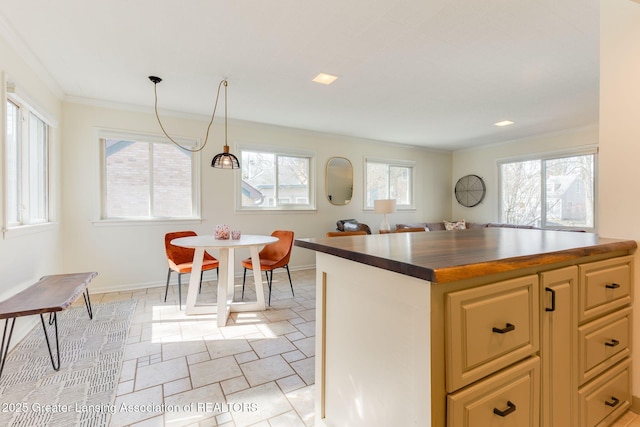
(635, 404)
(174, 281)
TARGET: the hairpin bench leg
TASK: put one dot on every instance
(46, 336)
(4, 349)
(87, 303)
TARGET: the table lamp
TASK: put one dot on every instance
(384, 206)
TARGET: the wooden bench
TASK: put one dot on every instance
(50, 294)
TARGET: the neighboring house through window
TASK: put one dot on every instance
(389, 179)
(273, 180)
(555, 191)
(144, 177)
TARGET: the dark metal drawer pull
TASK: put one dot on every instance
(553, 299)
(508, 328)
(612, 404)
(511, 408)
(612, 286)
(612, 343)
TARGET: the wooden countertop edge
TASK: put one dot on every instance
(372, 260)
(468, 271)
(452, 274)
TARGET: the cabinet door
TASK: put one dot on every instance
(557, 347)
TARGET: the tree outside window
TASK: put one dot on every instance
(273, 180)
(549, 193)
(389, 180)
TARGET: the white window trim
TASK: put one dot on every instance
(393, 162)
(10, 91)
(551, 155)
(283, 151)
(100, 200)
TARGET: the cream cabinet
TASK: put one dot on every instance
(550, 348)
(490, 327)
(604, 341)
(510, 396)
(558, 316)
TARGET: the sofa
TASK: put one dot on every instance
(458, 225)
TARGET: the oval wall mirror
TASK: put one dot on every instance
(339, 185)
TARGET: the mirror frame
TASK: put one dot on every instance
(327, 176)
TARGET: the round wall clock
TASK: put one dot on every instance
(470, 190)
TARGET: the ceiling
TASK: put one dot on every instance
(433, 73)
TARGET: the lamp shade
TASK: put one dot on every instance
(225, 160)
(384, 206)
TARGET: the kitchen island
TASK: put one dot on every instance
(456, 328)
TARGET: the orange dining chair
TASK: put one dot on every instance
(346, 233)
(181, 261)
(272, 256)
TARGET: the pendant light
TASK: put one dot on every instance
(224, 160)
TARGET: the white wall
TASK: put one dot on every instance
(132, 255)
(482, 161)
(620, 136)
(28, 256)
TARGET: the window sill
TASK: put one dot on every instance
(403, 209)
(275, 210)
(137, 222)
(24, 230)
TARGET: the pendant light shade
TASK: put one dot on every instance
(224, 160)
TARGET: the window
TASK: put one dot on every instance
(389, 180)
(553, 192)
(273, 180)
(146, 179)
(27, 165)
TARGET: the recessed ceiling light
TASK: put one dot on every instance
(325, 79)
(504, 123)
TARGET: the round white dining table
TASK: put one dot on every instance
(226, 249)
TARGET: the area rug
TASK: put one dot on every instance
(82, 392)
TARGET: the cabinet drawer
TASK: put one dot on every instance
(604, 286)
(490, 327)
(604, 342)
(605, 398)
(508, 398)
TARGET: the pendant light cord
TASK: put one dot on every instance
(215, 107)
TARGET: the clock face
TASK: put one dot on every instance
(470, 190)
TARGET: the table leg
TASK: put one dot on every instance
(257, 277)
(194, 281)
(4, 350)
(225, 285)
(225, 303)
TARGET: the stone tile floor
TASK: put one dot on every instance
(183, 370)
(257, 371)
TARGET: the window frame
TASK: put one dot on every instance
(26, 184)
(543, 158)
(397, 163)
(278, 152)
(151, 138)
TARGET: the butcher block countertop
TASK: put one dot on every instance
(448, 256)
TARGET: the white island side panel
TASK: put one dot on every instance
(373, 346)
